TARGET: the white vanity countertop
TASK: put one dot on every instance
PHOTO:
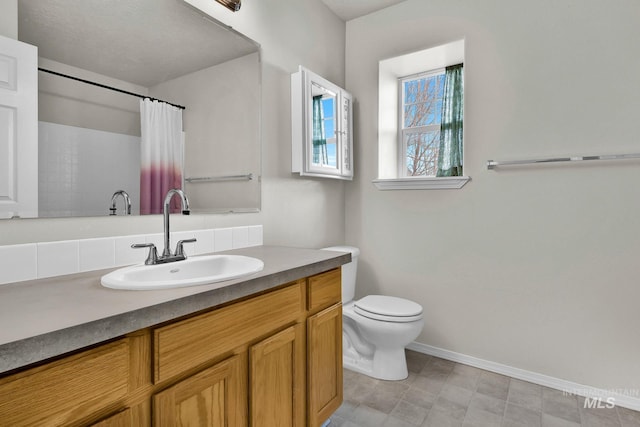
(48, 317)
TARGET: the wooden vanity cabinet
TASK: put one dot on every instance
(274, 359)
(250, 338)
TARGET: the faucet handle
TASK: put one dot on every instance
(152, 258)
(180, 248)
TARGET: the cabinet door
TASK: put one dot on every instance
(210, 398)
(277, 379)
(324, 350)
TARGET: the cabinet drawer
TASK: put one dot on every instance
(191, 342)
(325, 289)
(66, 390)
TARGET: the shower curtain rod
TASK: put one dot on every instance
(115, 89)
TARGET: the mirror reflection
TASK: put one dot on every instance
(324, 126)
(101, 150)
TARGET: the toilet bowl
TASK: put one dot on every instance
(376, 328)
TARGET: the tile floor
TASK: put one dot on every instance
(440, 393)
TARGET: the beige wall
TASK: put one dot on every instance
(296, 212)
(221, 124)
(532, 267)
(9, 19)
(68, 102)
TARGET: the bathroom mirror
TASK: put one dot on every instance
(89, 136)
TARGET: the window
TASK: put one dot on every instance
(420, 119)
(420, 116)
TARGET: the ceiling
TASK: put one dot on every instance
(130, 40)
(144, 42)
(351, 9)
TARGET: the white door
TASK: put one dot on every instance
(18, 129)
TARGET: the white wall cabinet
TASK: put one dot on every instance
(321, 127)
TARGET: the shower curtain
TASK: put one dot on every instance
(161, 154)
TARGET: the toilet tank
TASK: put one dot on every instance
(349, 271)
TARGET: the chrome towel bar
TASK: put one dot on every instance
(492, 164)
(244, 177)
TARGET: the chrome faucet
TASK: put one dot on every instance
(127, 202)
(165, 212)
(167, 256)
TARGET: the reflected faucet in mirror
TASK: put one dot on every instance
(179, 253)
(127, 202)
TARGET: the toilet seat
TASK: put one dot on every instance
(388, 309)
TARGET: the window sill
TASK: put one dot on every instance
(430, 183)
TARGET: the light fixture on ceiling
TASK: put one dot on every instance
(233, 5)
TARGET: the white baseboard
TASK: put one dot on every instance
(630, 399)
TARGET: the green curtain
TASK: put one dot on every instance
(450, 152)
(319, 139)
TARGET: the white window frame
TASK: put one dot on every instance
(389, 71)
(402, 131)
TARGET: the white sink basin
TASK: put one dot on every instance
(197, 270)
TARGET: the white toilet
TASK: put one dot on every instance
(376, 328)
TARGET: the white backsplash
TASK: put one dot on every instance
(48, 259)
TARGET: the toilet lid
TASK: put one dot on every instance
(389, 309)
